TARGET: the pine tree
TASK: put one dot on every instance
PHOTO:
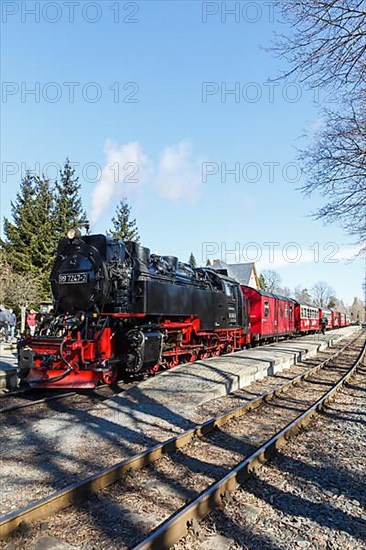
(124, 228)
(43, 244)
(192, 260)
(30, 235)
(68, 205)
(20, 231)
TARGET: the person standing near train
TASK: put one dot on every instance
(32, 322)
(4, 321)
(12, 323)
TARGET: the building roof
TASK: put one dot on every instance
(240, 272)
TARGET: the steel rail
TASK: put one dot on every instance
(21, 391)
(177, 526)
(86, 487)
(60, 396)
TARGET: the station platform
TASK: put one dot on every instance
(8, 366)
(186, 387)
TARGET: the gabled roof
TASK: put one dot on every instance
(240, 272)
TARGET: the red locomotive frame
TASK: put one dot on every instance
(83, 363)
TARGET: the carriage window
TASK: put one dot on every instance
(266, 309)
(286, 310)
(290, 312)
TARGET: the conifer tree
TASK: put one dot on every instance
(44, 240)
(192, 260)
(68, 209)
(30, 235)
(19, 231)
(124, 228)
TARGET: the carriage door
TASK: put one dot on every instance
(276, 314)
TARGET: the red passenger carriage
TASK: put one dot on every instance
(307, 318)
(271, 315)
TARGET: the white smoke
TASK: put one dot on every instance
(121, 175)
(179, 174)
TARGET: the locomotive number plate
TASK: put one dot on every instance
(72, 278)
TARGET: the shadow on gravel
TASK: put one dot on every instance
(343, 481)
(332, 415)
(44, 445)
(331, 479)
(241, 533)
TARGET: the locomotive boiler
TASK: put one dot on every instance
(120, 311)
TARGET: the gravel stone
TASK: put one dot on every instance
(276, 518)
(50, 543)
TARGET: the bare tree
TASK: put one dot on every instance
(335, 166)
(24, 291)
(357, 311)
(302, 295)
(5, 278)
(270, 280)
(322, 293)
(285, 291)
(327, 45)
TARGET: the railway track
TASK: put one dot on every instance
(316, 386)
(29, 398)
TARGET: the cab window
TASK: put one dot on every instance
(229, 290)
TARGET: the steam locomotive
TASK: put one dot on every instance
(121, 311)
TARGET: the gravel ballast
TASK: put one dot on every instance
(121, 513)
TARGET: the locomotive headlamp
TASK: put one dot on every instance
(73, 233)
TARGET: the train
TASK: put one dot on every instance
(120, 311)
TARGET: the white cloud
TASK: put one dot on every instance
(125, 168)
(179, 173)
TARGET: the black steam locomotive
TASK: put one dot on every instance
(119, 311)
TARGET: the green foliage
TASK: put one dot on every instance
(68, 206)
(124, 228)
(192, 260)
(20, 231)
(262, 282)
(41, 214)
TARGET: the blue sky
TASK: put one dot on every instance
(137, 94)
